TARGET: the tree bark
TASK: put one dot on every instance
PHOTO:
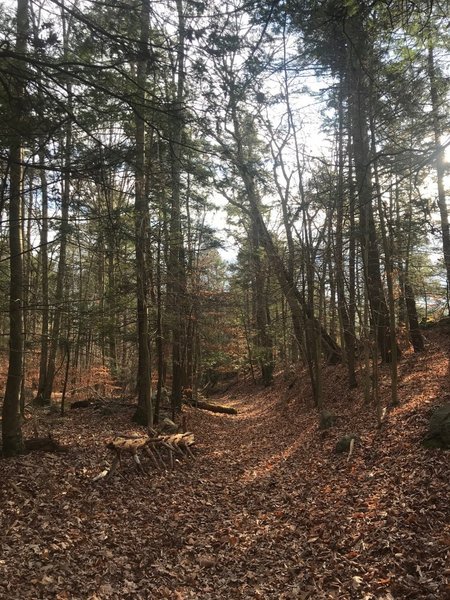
(217, 408)
(346, 323)
(440, 166)
(176, 267)
(358, 104)
(43, 254)
(415, 335)
(144, 410)
(11, 428)
(264, 343)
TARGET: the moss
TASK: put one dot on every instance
(438, 435)
(327, 420)
(434, 443)
(343, 445)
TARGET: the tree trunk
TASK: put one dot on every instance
(45, 393)
(44, 397)
(440, 166)
(264, 343)
(389, 270)
(27, 212)
(11, 429)
(144, 411)
(176, 267)
(112, 311)
(43, 254)
(415, 335)
(358, 104)
(346, 324)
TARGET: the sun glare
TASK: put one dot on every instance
(447, 152)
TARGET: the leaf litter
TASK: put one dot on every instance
(268, 510)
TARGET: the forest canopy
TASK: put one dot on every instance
(139, 140)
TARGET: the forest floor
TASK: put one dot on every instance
(267, 510)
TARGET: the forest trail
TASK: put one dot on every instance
(267, 510)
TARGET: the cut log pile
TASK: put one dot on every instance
(158, 448)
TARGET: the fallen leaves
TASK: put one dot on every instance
(267, 511)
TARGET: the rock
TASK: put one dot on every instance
(327, 420)
(438, 435)
(343, 445)
(168, 426)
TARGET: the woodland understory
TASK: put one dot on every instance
(191, 191)
(236, 206)
(267, 510)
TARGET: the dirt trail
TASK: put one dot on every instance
(267, 510)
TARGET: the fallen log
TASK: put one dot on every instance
(43, 444)
(217, 408)
(180, 442)
(90, 403)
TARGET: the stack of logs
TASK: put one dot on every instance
(157, 447)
